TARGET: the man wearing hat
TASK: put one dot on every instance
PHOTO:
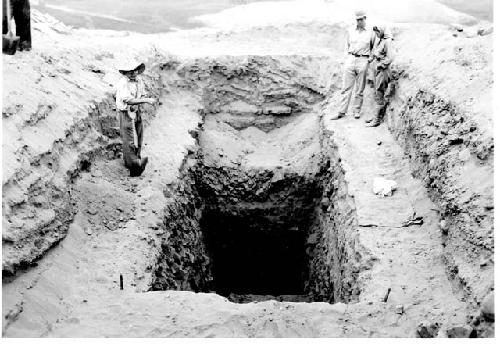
(129, 95)
(359, 45)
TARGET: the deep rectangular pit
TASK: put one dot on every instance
(255, 225)
(251, 222)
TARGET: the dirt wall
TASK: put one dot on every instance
(441, 115)
(454, 157)
(183, 263)
(37, 201)
(336, 256)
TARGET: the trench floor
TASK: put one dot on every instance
(86, 301)
(409, 257)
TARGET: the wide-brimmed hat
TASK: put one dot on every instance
(360, 14)
(129, 65)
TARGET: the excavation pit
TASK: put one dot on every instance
(257, 244)
(256, 184)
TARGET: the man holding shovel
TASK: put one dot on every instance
(129, 96)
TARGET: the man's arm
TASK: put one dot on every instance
(140, 96)
(372, 45)
(137, 101)
(124, 95)
(389, 53)
(347, 46)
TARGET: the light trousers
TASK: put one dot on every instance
(354, 80)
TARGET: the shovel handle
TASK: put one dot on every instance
(9, 16)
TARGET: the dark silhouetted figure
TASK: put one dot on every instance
(21, 13)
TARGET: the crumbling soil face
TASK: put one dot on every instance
(332, 244)
(445, 126)
(252, 87)
(38, 204)
(450, 154)
(256, 237)
(183, 263)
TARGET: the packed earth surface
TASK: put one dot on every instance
(256, 215)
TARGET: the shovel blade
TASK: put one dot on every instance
(10, 44)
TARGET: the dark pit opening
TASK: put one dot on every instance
(255, 225)
(251, 256)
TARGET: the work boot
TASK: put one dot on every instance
(375, 122)
(357, 115)
(373, 116)
(338, 116)
(24, 46)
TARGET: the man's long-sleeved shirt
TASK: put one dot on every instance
(127, 90)
(382, 52)
(359, 41)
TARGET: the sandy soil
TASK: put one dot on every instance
(114, 230)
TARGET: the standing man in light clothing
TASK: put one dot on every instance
(129, 96)
(359, 46)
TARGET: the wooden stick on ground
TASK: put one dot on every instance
(387, 294)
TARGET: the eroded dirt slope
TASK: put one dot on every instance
(57, 111)
(442, 116)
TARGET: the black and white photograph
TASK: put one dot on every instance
(248, 169)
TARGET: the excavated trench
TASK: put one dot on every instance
(253, 221)
(261, 208)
